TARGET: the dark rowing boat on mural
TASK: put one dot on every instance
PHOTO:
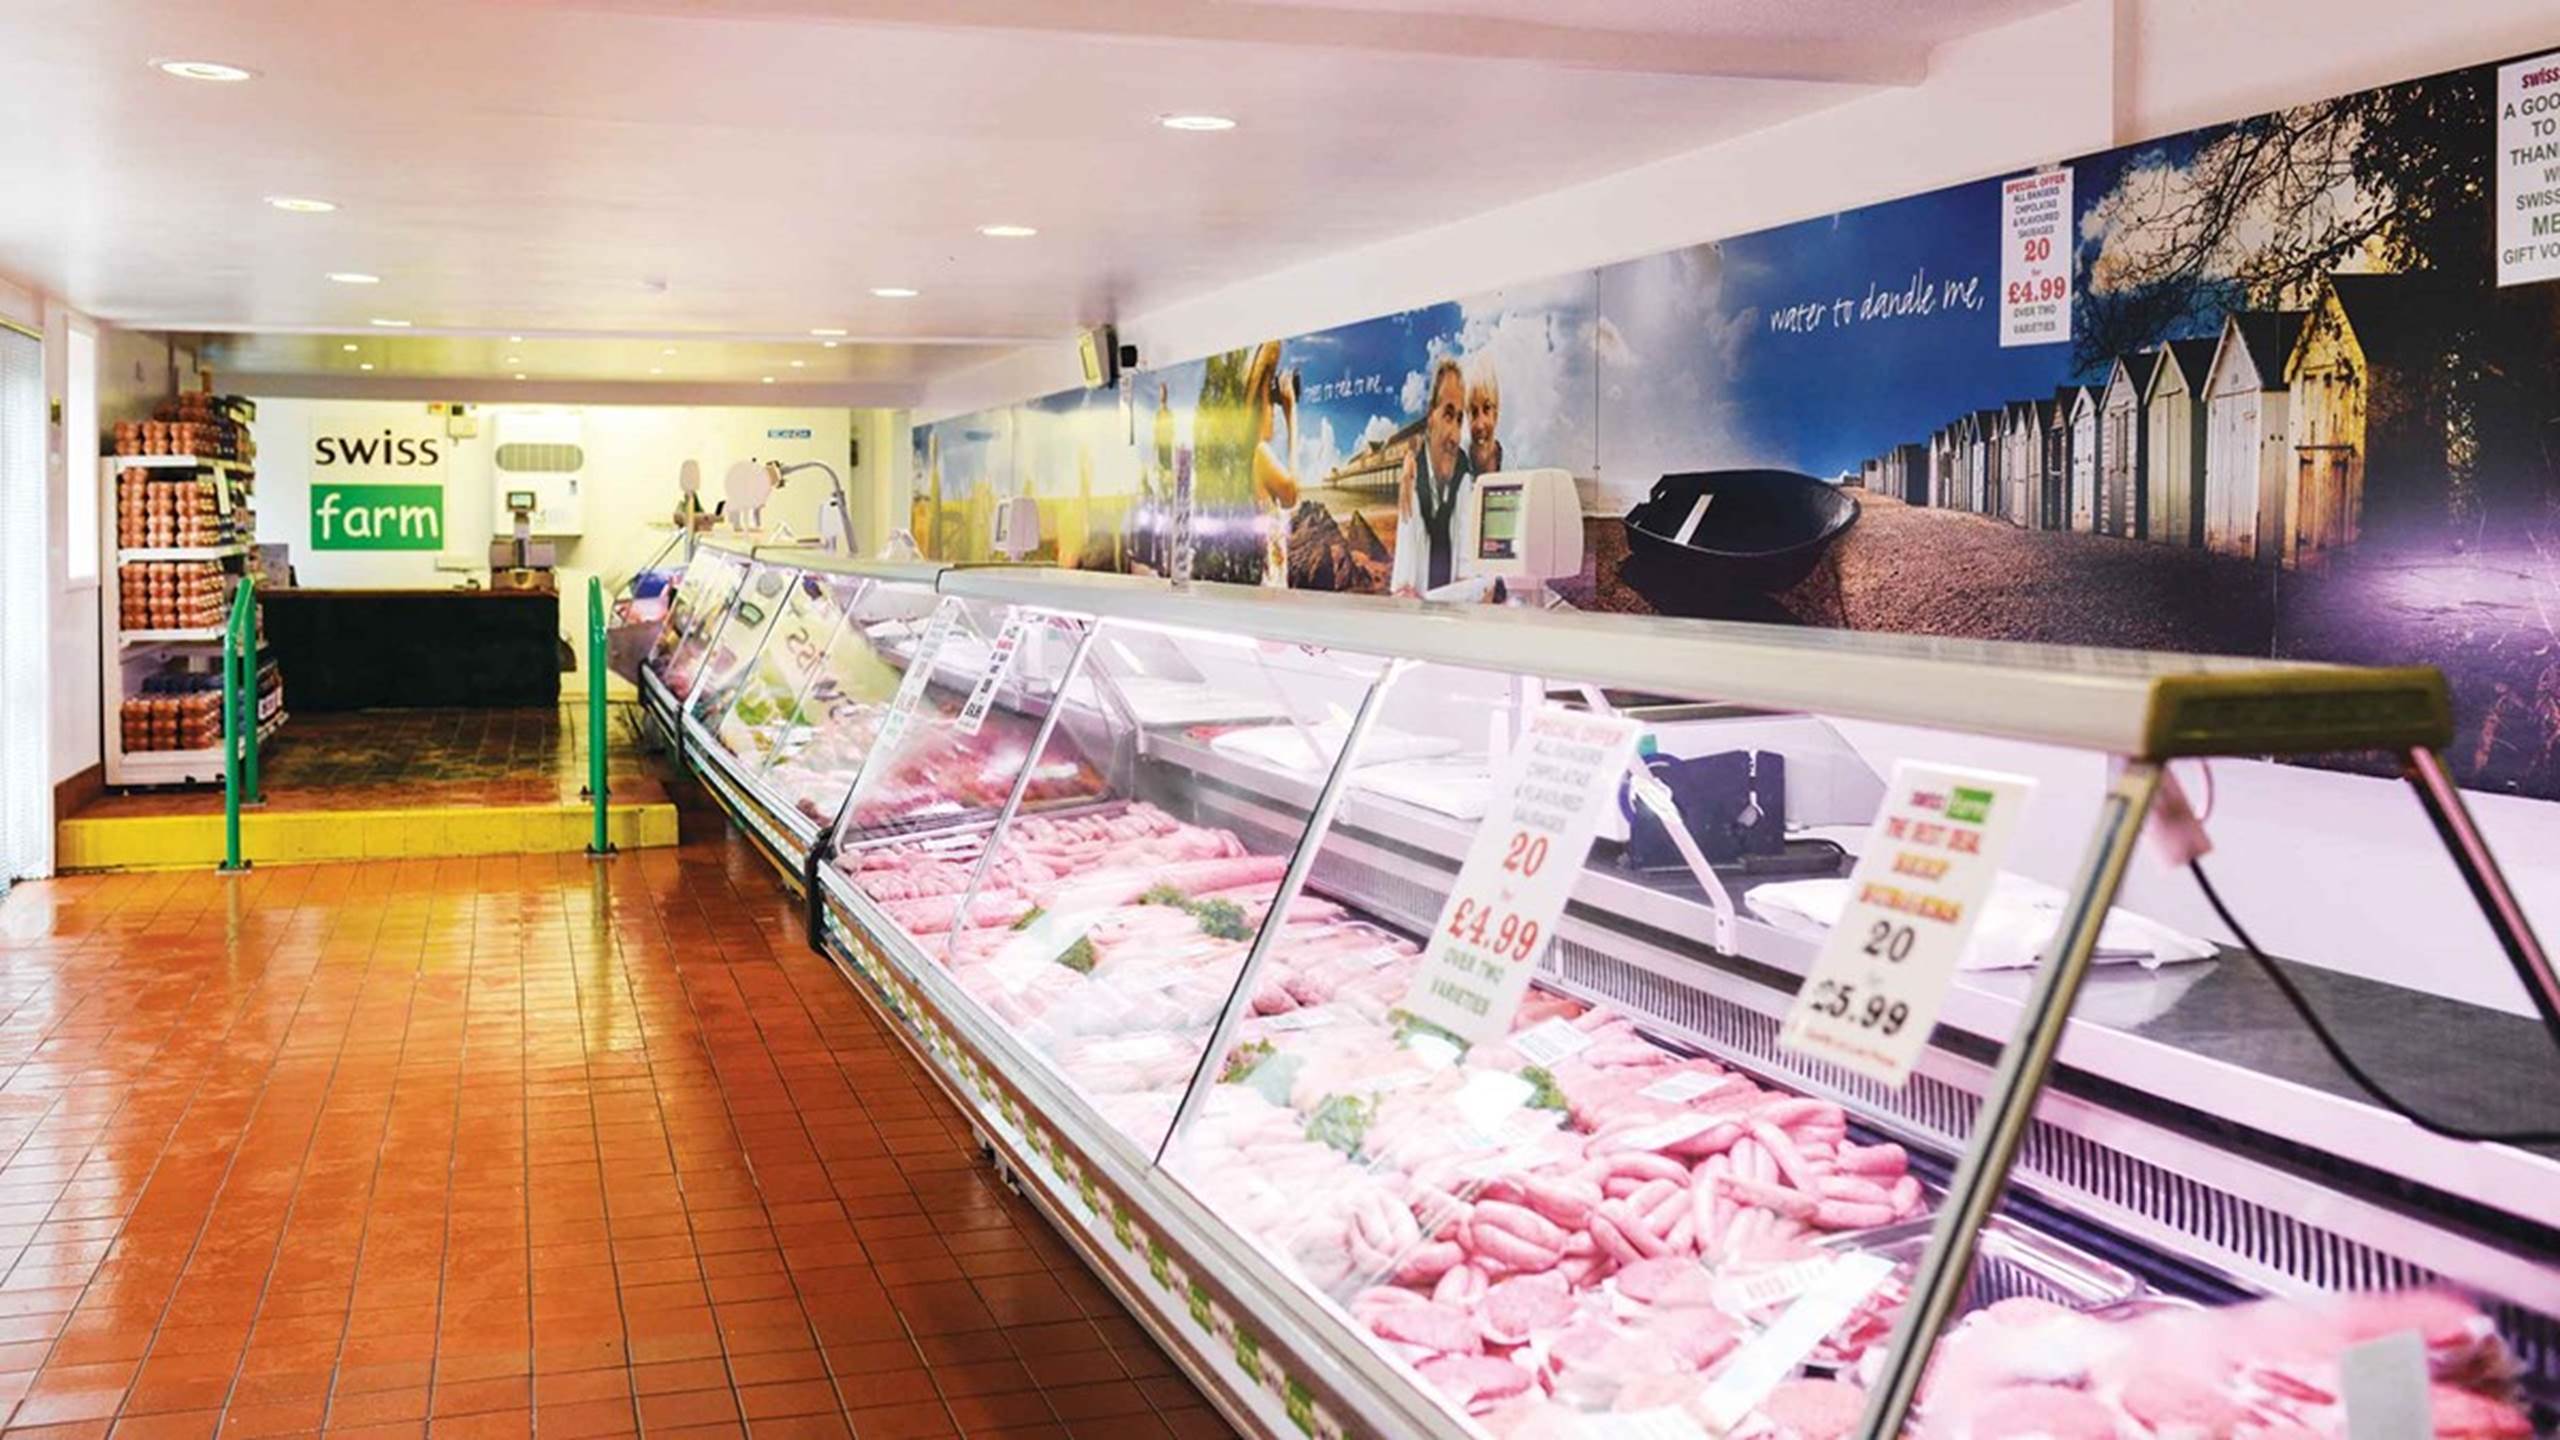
(1757, 532)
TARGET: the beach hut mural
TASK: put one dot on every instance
(1869, 471)
(2248, 442)
(2021, 461)
(2122, 439)
(1943, 453)
(1985, 499)
(2376, 426)
(1909, 464)
(2173, 456)
(2053, 489)
(2086, 401)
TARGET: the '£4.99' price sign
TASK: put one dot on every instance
(1519, 870)
(1919, 887)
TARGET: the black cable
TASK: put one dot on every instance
(2372, 1088)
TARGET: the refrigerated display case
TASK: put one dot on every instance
(642, 595)
(1164, 936)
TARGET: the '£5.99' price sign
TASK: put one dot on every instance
(1519, 870)
(1922, 878)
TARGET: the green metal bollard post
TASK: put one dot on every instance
(245, 619)
(231, 776)
(602, 845)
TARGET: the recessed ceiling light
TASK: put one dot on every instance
(364, 365)
(670, 350)
(519, 374)
(301, 204)
(213, 70)
(515, 359)
(388, 324)
(893, 292)
(1007, 232)
(768, 380)
(799, 364)
(354, 277)
(829, 344)
(515, 339)
(349, 347)
(824, 330)
(1195, 122)
(655, 370)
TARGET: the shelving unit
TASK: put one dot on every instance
(130, 656)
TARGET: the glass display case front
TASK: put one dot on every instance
(1210, 888)
(711, 580)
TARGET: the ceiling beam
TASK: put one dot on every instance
(1880, 60)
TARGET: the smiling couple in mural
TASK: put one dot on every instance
(2293, 413)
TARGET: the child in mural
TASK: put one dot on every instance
(1433, 485)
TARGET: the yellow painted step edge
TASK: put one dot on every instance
(287, 837)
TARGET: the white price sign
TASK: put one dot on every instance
(973, 715)
(2035, 259)
(1519, 870)
(1920, 885)
(2529, 170)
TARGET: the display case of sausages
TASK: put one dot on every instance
(1230, 924)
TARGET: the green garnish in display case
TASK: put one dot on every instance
(1244, 1060)
(1222, 918)
(1029, 918)
(1342, 1122)
(1543, 1095)
(1165, 895)
(1078, 957)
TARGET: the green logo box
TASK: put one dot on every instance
(377, 517)
(1970, 806)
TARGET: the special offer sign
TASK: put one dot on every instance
(1519, 871)
(2035, 259)
(1921, 881)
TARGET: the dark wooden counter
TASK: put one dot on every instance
(367, 649)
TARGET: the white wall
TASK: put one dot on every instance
(632, 455)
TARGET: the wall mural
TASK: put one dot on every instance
(2262, 393)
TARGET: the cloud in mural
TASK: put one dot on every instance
(1319, 453)
(1668, 347)
(2230, 207)
(1416, 392)
(1377, 430)
(1536, 340)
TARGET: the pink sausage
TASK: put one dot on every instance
(1462, 1286)
(1612, 1242)
(1905, 1195)
(1528, 1224)
(1713, 1141)
(1666, 1209)
(1855, 1188)
(1738, 1235)
(1648, 1244)
(1424, 1264)
(1885, 1159)
(1619, 1187)
(1777, 1199)
(1789, 1111)
(1645, 1165)
(1748, 1156)
(1683, 1239)
(1850, 1215)
(1650, 1194)
(1565, 1202)
(1496, 1247)
(1783, 1151)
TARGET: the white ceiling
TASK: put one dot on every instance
(733, 171)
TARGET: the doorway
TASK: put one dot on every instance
(26, 793)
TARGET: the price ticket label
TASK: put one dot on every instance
(1519, 870)
(1771, 1356)
(1017, 624)
(2383, 1385)
(2035, 259)
(1919, 887)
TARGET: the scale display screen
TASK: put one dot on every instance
(1497, 522)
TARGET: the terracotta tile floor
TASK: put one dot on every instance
(516, 1146)
(391, 759)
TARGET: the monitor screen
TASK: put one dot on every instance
(521, 500)
(1498, 522)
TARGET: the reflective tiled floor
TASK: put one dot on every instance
(504, 1147)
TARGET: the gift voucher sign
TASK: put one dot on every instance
(973, 715)
(1920, 884)
(2035, 259)
(2529, 170)
(1519, 870)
